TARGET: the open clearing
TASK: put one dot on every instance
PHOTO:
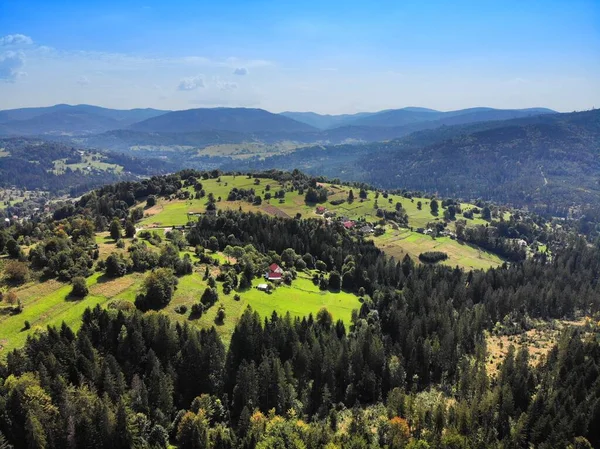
(539, 341)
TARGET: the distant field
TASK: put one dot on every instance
(396, 243)
(92, 161)
(249, 149)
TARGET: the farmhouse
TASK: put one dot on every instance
(262, 287)
(348, 224)
(275, 272)
(321, 210)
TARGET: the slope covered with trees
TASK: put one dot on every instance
(408, 370)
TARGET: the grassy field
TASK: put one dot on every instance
(249, 149)
(396, 242)
(299, 299)
(50, 303)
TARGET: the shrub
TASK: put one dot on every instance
(181, 309)
(16, 272)
(220, 315)
(11, 298)
(26, 325)
(197, 311)
(237, 297)
(80, 288)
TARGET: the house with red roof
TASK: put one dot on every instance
(348, 224)
(275, 272)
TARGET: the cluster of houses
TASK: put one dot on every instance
(330, 216)
(443, 233)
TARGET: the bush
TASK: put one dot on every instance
(432, 256)
(10, 298)
(15, 272)
(158, 290)
(197, 311)
(237, 297)
(209, 297)
(220, 318)
(181, 309)
(80, 288)
(26, 325)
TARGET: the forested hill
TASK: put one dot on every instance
(548, 162)
(228, 119)
(58, 168)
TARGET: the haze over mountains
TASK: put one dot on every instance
(306, 127)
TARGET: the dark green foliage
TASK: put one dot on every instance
(115, 229)
(115, 265)
(80, 288)
(209, 297)
(432, 256)
(158, 290)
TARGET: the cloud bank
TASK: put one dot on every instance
(240, 71)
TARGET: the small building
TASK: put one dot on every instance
(262, 287)
(321, 210)
(348, 224)
(275, 272)
(367, 229)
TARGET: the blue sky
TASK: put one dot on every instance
(324, 56)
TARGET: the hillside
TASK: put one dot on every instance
(57, 168)
(127, 331)
(549, 162)
(67, 119)
(325, 121)
(408, 116)
(242, 120)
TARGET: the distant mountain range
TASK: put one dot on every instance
(242, 120)
(67, 119)
(412, 115)
(246, 123)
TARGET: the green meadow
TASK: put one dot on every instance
(50, 304)
(395, 242)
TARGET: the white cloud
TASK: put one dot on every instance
(240, 71)
(10, 63)
(225, 85)
(83, 81)
(191, 83)
(15, 39)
